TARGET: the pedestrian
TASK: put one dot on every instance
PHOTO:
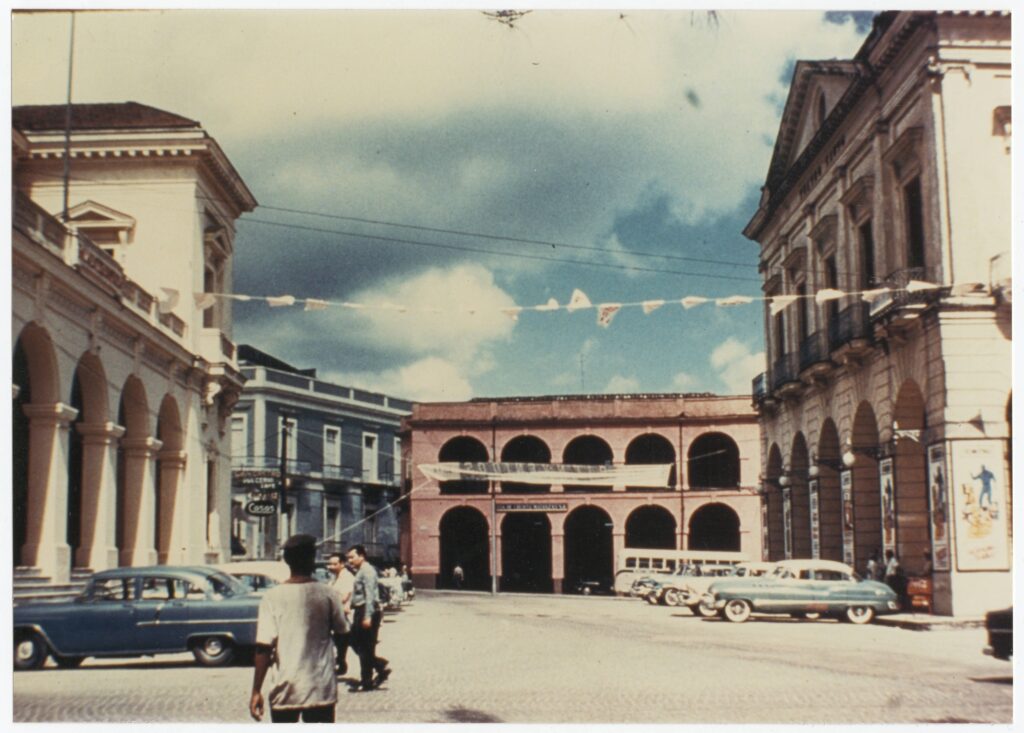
(894, 577)
(873, 570)
(458, 576)
(342, 580)
(293, 642)
(366, 617)
(928, 567)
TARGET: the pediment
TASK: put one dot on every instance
(93, 212)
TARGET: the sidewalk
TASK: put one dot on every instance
(928, 622)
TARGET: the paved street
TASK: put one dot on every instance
(527, 659)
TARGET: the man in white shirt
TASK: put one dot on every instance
(342, 580)
(293, 642)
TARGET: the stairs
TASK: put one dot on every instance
(30, 585)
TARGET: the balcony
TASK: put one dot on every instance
(849, 334)
(897, 307)
(38, 225)
(785, 375)
(814, 357)
(215, 347)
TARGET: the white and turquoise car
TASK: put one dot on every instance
(807, 588)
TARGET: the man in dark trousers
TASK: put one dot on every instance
(366, 618)
(341, 580)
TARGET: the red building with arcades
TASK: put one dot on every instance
(549, 537)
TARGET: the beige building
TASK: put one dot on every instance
(123, 380)
(886, 405)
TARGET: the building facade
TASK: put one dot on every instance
(338, 449)
(549, 537)
(123, 384)
(884, 228)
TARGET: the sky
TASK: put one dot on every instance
(459, 167)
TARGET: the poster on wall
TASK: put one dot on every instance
(979, 505)
(846, 486)
(888, 496)
(938, 506)
(812, 491)
(787, 523)
(764, 529)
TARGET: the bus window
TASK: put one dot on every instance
(630, 562)
(644, 563)
(657, 563)
(671, 565)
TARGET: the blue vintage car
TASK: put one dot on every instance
(808, 588)
(128, 612)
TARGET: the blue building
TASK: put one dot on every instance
(338, 449)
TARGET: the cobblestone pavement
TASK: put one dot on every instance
(526, 659)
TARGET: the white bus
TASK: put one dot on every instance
(636, 563)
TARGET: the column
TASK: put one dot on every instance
(139, 501)
(557, 560)
(99, 495)
(172, 541)
(46, 544)
(352, 516)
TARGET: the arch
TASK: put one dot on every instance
(800, 531)
(909, 522)
(85, 461)
(525, 449)
(41, 359)
(867, 505)
(714, 526)
(652, 448)
(713, 462)
(587, 450)
(133, 414)
(464, 540)
(651, 527)
(463, 449)
(772, 498)
(169, 433)
(830, 503)
(21, 437)
(588, 546)
(526, 552)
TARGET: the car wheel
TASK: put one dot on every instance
(706, 611)
(811, 615)
(672, 597)
(30, 651)
(68, 662)
(586, 590)
(860, 614)
(213, 651)
(652, 599)
(737, 610)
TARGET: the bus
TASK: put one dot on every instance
(635, 563)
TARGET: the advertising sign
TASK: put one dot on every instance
(888, 497)
(261, 508)
(979, 505)
(764, 528)
(938, 506)
(846, 487)
(534, 507)
(812, 491)
(787, 523)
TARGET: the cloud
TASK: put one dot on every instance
(621, 385)
(736, 365)
(685, 382)
(431, 379)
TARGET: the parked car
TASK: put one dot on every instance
(692, 589)
(999, 625)
(257, 574)
(130, 612)
(804, 588)
(590, 586)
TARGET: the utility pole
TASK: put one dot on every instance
(67, 119)
(493, 488)
(281, 519)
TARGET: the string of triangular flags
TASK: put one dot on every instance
(605, 311)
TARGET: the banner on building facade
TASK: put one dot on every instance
(938, 506)
(979, 505)
(653, 476)
(532, 507)
(846, 487)
(787, 523)
(888, 497)
(812, 498)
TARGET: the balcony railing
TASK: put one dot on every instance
(784, 370)
(759, 387)
(37, 223)
(851, 324)
(898, 297)
(310, 468)
(813, 350)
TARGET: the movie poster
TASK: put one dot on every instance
(812, 491)
(787, 522)
(764, 528)
(888, 496)
(938, 506)
(846, 486)
(979, 505)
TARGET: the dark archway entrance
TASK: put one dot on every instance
(20, 436)
(587, 450)
(588, 547)
(772, 499)
(465, 542)
(713, 462)
(525, 449)
(463, 449)
(652, 449)
(526, 553)
(76, 455)
(651, 527)
(714, 527)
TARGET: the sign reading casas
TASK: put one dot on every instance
(533, 507)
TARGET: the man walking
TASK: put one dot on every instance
(342, 581)
(366, 618)
(293, 642)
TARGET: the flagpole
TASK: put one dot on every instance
(67, 118)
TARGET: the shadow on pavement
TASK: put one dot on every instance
(468, 715)
(994, 679)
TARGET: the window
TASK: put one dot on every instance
(867, 255)
(370, 457)
(396, 459)
(801, 314)
(630, 562)
(239, 436)
(114, 589)
(780, 335)
(914, 215)
(821, 111)
(156, 589)
(332, 449)
(831, 281)
(332, 522)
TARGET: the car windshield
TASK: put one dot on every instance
(227, 586)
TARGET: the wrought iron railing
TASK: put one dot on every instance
(813, 350)
(898, 296)
(851, 323)
(784, 370)
(759, 387)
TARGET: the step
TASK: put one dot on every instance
(30, 581)
(27, 571)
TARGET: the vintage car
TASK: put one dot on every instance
(129, 612)
(690, 592)
(805, 588)
(999, 627)
(257, 574)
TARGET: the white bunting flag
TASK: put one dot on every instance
(869, 295)
(827, 294)
(691, 300)
(579, 300)
(355, 306)
(204, 300)
(606, 312)
(551, 305)
(280, 300)
(961, 289)
(243, 298)
(512, 313)
(734, 300)
(652, 305)
(312, 304)
(915, 286)
(778, 302)
(169, 301)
